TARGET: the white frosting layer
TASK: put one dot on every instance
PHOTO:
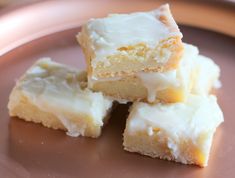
(207, 75)
(156, 81)
(200, 114)
(105, 35)
(93, 80)
(55, 88)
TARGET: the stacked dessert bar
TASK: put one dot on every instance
(138, 58)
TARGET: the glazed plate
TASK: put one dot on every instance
(30, 150)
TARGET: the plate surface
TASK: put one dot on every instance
(30, 150)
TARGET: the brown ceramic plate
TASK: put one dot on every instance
(30, 150)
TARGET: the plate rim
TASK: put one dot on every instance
(225, 8)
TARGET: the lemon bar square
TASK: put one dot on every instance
(123, 44)
(55, 95)
(180, 132)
